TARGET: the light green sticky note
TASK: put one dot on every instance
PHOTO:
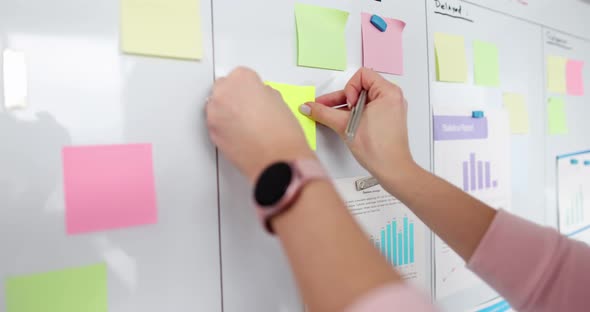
(294, 96)
(320, 37)
(451, 64)
(515, 104)
(162, 28)
(70, 290)
(556, 74)
(557, 117)
(486, 65)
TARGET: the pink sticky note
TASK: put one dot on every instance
(574, 77)
(383, 51)
(108, 187)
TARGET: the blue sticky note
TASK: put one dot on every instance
(379, 23)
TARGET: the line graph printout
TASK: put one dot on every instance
(391, 227)
(474, 155)
(573, 193)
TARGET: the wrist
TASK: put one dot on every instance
(285, 153)
(400, 173)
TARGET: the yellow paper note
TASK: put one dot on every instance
(451, 64)
(515, 104)
(320, 37)
(556, 74)
(557, 116)
(294, 96)
(162, 28)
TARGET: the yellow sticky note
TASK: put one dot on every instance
(486, 64)
(556, 74)
(515, 104)
(320, 37)
(451, 64)
(162, 28)
(557, 116)
(294, 96)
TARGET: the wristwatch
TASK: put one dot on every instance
(280, 184)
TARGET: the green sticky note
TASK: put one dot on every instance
(295, 96)
(557, 117)
(486, 65)
(515, 104)
(556, 81)
(320, 37)
(451, 64)
(162, 28)
(71, 290)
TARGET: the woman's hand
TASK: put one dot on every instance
(251, 124)
(381, 142)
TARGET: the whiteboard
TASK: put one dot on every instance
(82, 91)
(521, 71)
(249, 256)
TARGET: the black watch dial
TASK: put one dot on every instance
(272, 184)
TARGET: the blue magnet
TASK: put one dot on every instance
(573, 161)
(477, 114)
(586, 162)
(379, 23)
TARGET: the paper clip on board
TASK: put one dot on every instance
(365, 183)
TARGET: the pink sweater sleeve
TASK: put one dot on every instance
(394, 297)
(533, 267)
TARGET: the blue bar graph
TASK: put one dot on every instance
(397, 243)
(406, 249)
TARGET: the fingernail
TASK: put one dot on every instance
(305, 109)
(349, 105)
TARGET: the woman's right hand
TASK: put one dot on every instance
(381, 142)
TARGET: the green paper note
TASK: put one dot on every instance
(515, 104)
(70, 290)
(556, 82)
(162, 28)
(557, 117)
(295, 96)
(320, 37)
(451, 64)
(486, 65)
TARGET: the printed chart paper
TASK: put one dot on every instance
(392, 228)
(474, 155)
(573, 193)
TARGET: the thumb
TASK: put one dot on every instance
(332, 118)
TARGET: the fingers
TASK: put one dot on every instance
(332, 118)
(332, 99)
(368, 80)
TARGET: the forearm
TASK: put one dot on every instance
(333, 261)
(459, 219)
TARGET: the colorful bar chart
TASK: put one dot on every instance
(396, 243)
(575, 214)
(477, 175)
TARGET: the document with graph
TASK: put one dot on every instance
(471, 151)
(573, 195)
(390, 226)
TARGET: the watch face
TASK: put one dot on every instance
(273, 184)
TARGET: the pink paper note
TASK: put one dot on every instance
(383, 51)
(575, 78)
(108, 187)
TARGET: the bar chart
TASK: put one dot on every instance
(477, 175)
(575, 214)
(396, 241)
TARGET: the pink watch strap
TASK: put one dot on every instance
(305, 170)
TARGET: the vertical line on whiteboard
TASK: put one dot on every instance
(217, 167)
(430, 137)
